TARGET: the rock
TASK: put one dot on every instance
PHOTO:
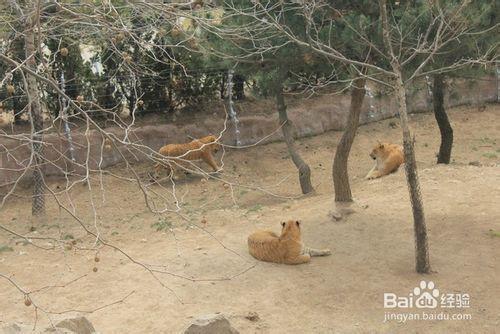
(335, 215)
(80, 325)
(475, 163)
(211, 324)
(252, 316)
(16, 329)
(53, 330)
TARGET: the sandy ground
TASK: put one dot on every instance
(373, 249)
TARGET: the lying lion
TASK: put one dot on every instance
(388, 159)
(286, 248)
(179, 154)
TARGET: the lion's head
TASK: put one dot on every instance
(291, 230)
(212, 142)
(380, 150)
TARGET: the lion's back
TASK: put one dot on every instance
(265, 246)
(395, 156)
(397, 153)
(187, 151)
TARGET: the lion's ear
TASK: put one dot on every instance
(283, 224)
(381, 145)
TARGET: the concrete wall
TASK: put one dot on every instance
(312, 117)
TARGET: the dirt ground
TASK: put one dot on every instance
(373, 249)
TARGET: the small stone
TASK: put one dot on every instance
(335, 215)
(252, 316)
(16, 329)
(475, 163)
(210, 324)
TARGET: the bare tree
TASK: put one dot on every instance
(30, 22)
(421, 243)
(339, 170)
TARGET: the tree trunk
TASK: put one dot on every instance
(38, 205)
(420, 230)
(339, 170)
(239, 82)
(304, 170)
(442, 120)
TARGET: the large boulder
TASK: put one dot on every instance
(211, 324)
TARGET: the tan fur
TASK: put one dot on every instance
(388, 159)
(198, 149)
(286, 248)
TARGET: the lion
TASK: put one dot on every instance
(285, 248)
(388, 159)
(198, 149)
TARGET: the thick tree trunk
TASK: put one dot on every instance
(339, 170)
(420, 229)
(38, 205)
(304, 170)
(442, 120)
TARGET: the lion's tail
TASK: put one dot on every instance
(317, 252)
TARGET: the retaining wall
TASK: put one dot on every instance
(312, 117)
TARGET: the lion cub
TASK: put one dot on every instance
(388, 159)
(286, 248)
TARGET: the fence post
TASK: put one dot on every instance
(64, 116)
(232, 112)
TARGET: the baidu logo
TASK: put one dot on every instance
(426, 295)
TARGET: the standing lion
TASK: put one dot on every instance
(180, 155)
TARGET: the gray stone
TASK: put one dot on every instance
(475, 163)
(16, 329)
(211, 324)
(252, 316)
(79, 325)
(336, 215)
